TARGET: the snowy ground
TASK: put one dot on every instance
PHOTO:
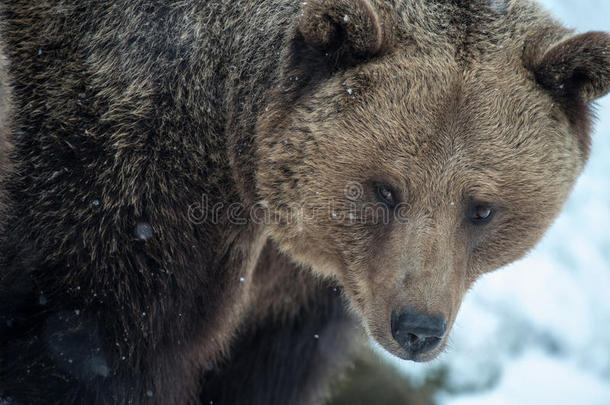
(538, 332)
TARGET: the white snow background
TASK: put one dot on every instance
(538, 331)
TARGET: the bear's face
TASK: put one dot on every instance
(405, 178)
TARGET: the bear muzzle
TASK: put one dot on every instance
(417, 333)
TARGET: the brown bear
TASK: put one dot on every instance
(209, 197)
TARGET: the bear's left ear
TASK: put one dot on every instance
(344, 31)
(577, 68)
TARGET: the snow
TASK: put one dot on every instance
(538, 331)
(549, 376)
(499, 6)
(144, 231)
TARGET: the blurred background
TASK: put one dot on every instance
(538, 331)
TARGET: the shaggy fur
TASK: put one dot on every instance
(5, 125)
(130, 117)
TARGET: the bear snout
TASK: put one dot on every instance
(417, 333)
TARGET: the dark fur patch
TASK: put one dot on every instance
(284, 361)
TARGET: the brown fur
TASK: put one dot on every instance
(455, 112)
(6, 118)
(127, 113)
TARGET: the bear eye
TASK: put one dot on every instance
(386, 195)
(480, 214)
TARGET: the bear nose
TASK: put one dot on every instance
(417, 333)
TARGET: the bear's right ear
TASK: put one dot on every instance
(343, 31)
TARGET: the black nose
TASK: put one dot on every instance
(417, 333)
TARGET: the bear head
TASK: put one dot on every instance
(410, 148)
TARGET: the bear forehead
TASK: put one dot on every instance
(485, 124)
(429, 98)
(466, 30)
